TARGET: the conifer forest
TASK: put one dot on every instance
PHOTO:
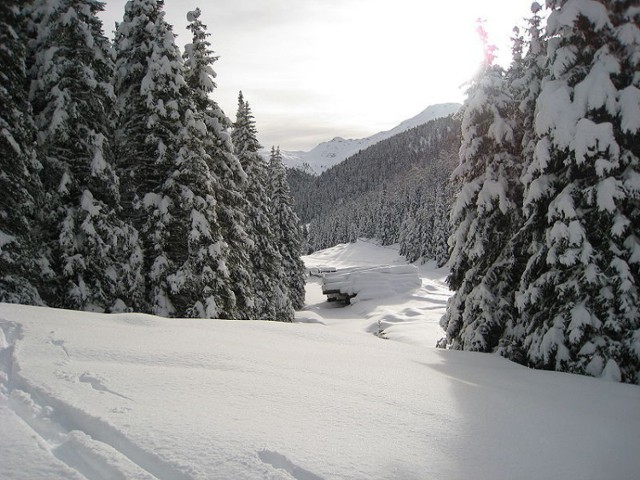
(124, 186)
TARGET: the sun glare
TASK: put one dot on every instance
(390, 63)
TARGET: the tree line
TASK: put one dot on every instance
(124, 186)
(545, 244)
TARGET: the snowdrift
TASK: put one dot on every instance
(367, 283)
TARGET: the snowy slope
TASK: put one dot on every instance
(328, 154)
(140, 397)
(411, 317)
(368, 283)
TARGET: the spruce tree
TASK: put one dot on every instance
(165, 170)
(409, 238)
(387, 228)
(441, 231)
(228, 176)
(579, 296)
(94, 251)
(287, 230)
(20, 270)
(483, 217)
(271, 300)
(524, 79)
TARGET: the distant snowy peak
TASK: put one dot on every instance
(295, 159)
(328, 154)
(428, 114)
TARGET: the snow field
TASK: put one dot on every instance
(125, 396)
(404, 302)
(368, 283)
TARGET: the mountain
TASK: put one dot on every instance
(391, 163)
(328, 154)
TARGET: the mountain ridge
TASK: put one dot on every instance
(327, 154)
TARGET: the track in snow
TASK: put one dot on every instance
(86, 444)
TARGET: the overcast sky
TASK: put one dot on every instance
(316, 69)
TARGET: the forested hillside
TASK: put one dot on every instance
(396, 191)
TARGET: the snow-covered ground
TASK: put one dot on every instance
(140, 397)
(411, 317)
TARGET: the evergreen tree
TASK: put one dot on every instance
(441, 231)
(165, 171)
(304, 235)
(579, 295)
(92, 248)
(287, 230)
(525, 77)
(387, 229)
(19, 186)
(484, 216)
(408, 238)
(271, 300)
(228, 175)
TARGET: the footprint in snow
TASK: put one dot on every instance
(97, 384)
(277, 460)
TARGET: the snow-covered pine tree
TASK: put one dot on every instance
(20, 188)
(579, 295)
(387, 227)
(409, 232)
(164, 165)
(286, 227)
(409, 238)
(271, 300)
(227, 172)
(425, 218)
(443, 190)
(304, 235)
(441, 233)
(483, 217)
(92, 249)
(524, 77)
